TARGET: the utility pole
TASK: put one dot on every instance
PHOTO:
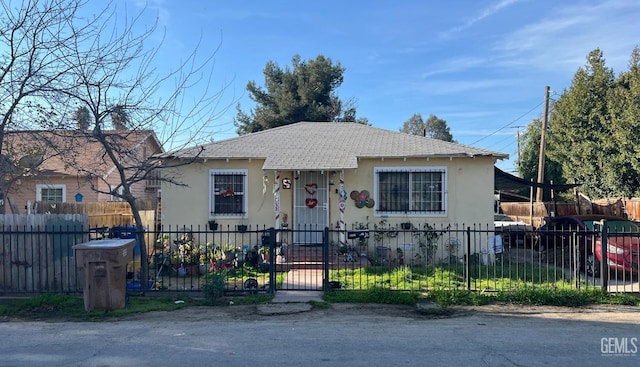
(518, 137)
(545, 115)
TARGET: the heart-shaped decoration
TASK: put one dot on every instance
(311, 188)
(311, 202)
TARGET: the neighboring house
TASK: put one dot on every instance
(52, 166)
(324, 174)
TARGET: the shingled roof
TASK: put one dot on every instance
(64, 151)
(327, 146)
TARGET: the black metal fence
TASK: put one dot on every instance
(40, 259)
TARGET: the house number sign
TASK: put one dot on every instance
(286, 183)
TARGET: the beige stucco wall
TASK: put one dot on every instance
(470, 187)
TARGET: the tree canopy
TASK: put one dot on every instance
(593, 129)
(305, 92)
(433, 127)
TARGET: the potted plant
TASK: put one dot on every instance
(380, 229)
(427, 237)
(266, 238)
(400, 256)
(213, 225)
(187, 254)
(264, 252)
(229, 251)
(241, 227)
(264, 264)
(206, 258)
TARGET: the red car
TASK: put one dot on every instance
(623, 242)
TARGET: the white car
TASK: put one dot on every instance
(512, 232)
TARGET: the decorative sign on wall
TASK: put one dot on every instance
(78, 198)
(286, 183)
(362, 199)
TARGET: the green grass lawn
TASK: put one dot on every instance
(481, 277)
(446, 285)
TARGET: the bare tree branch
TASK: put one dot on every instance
(60, 62)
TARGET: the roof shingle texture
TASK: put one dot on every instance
(66, 151)
(328, 145)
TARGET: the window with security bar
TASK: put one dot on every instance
(410, 190)
(228, 193)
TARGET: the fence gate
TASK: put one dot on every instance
(304, 266)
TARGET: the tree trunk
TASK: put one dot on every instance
(144, 263)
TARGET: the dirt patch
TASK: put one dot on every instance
(305, 311)
(612, 313)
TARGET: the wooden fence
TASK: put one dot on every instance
(36, 252)
(534, 213)
(104, 214)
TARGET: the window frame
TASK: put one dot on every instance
(410, 169)
(245, 200)
(120, 192)
(39, 188)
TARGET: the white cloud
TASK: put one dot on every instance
(562, 40)
(481, 15)
(457, 86)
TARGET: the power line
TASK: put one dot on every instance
(518, 137)
(507, 125)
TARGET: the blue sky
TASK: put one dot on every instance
(480, 65)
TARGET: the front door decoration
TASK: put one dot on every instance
(311, 189)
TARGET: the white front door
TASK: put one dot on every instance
(311, 207)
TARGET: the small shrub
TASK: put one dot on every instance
(565, 297)
(214, 286)
(459, 297)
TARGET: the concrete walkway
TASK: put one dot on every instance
(306, 285)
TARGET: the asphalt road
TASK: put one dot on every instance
(343, 335)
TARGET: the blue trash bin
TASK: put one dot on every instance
(127, 232)
(134, 267)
